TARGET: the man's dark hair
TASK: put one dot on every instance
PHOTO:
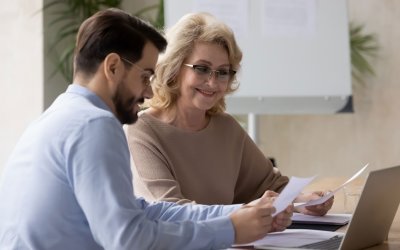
(112, 31)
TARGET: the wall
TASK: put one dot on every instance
(340, 144)
(21, 77)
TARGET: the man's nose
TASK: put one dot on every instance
(148, 92)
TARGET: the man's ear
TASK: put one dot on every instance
(113, 68)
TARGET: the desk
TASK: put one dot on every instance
(331, 183)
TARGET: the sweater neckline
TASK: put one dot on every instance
(145, 116)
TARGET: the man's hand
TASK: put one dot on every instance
(282, 220)
(253, 221)
(317, 210)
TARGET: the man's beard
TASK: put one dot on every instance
(124, 106)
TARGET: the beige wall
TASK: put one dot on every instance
(340, 144)
(21, 78)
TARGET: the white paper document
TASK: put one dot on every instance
(293, 238)
(330, 194)
(290, 192)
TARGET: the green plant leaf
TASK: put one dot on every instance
(67, 15)
(363, 48)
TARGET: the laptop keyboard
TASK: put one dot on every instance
(329, 244)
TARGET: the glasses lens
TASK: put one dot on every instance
(202, 70)
(223, 75)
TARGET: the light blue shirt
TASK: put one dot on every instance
(68, 185)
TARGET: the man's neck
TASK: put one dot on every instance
(98, 86)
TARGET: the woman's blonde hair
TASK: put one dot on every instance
(192, 28)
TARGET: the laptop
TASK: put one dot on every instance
(373, 216)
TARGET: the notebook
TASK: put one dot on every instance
(373, 216)
(329, 222)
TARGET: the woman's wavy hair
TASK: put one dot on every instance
(192, 28)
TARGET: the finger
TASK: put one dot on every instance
(266, 211)
(270, 193)
(289, 209)
(283, 221)
(266, 221)
(319, 193)
(264, 200)
(268, 196)
(315, 209)
(281, 225)
(267, 201)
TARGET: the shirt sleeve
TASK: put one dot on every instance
(99, 173)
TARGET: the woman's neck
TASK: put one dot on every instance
(189, 120)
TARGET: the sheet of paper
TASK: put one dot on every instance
(293, 238)
(330, 194)
(333, 219)
(290, 192)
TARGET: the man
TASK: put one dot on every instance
(68, 183)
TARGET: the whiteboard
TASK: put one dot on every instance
(303, 67)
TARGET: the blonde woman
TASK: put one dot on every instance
(185, 147)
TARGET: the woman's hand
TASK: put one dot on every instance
(316, 210)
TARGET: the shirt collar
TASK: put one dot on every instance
(88, 94)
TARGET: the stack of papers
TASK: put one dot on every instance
(292, 238)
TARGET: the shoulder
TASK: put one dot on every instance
(76, 112)
(226, 120)
(144, 124)
(146, 129)
(78, 108)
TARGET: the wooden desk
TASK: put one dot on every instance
(331, 183)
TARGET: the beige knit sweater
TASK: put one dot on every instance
(217, 165)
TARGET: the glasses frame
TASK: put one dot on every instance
(150, 75)
(212, 72)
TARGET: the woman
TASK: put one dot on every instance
(185, 148)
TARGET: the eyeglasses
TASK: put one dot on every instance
(147, 75)
(221, 75)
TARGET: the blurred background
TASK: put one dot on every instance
(302, 145)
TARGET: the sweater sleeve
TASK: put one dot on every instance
(256, 174)
(155, 179)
